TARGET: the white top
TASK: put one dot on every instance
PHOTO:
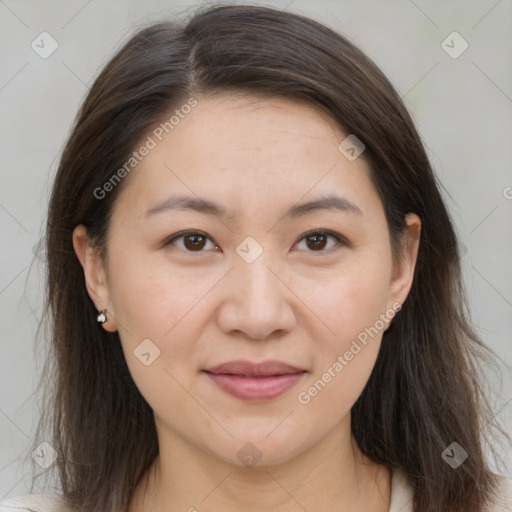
(401, 499)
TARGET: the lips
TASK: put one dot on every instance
(248, 369)
(255, 382)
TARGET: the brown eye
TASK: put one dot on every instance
(317, 241)
(191, 241)
(194, 242)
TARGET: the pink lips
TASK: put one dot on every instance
(255, 381)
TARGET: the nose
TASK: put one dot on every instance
(257, 301)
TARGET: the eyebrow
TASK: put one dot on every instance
(331, 202)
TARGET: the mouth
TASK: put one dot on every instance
(255, 382)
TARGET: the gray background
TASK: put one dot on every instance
(462, 107)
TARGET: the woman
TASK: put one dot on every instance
(254, 287)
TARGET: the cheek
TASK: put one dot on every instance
(150, 297)
(168, 307)
(346, 302)
(161, 326)
(351, 307)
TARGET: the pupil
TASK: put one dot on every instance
(196, 243)
(316, 239)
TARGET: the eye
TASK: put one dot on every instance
(317, 240)
(193, 241)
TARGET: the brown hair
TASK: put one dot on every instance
(425, 390)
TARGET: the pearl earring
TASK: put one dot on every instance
(102, 317)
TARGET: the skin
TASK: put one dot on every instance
(255, 157)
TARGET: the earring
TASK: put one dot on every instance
(102, 317)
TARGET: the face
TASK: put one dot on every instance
(259, 278)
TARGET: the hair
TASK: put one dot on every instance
(425, 390)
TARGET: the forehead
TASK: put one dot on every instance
(246, 150)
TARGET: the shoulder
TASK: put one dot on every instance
(503, 501)
(402, 494)
(42, 502)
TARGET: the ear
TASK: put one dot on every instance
(403, 271)
(95, 275)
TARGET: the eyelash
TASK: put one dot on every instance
(341, 241)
